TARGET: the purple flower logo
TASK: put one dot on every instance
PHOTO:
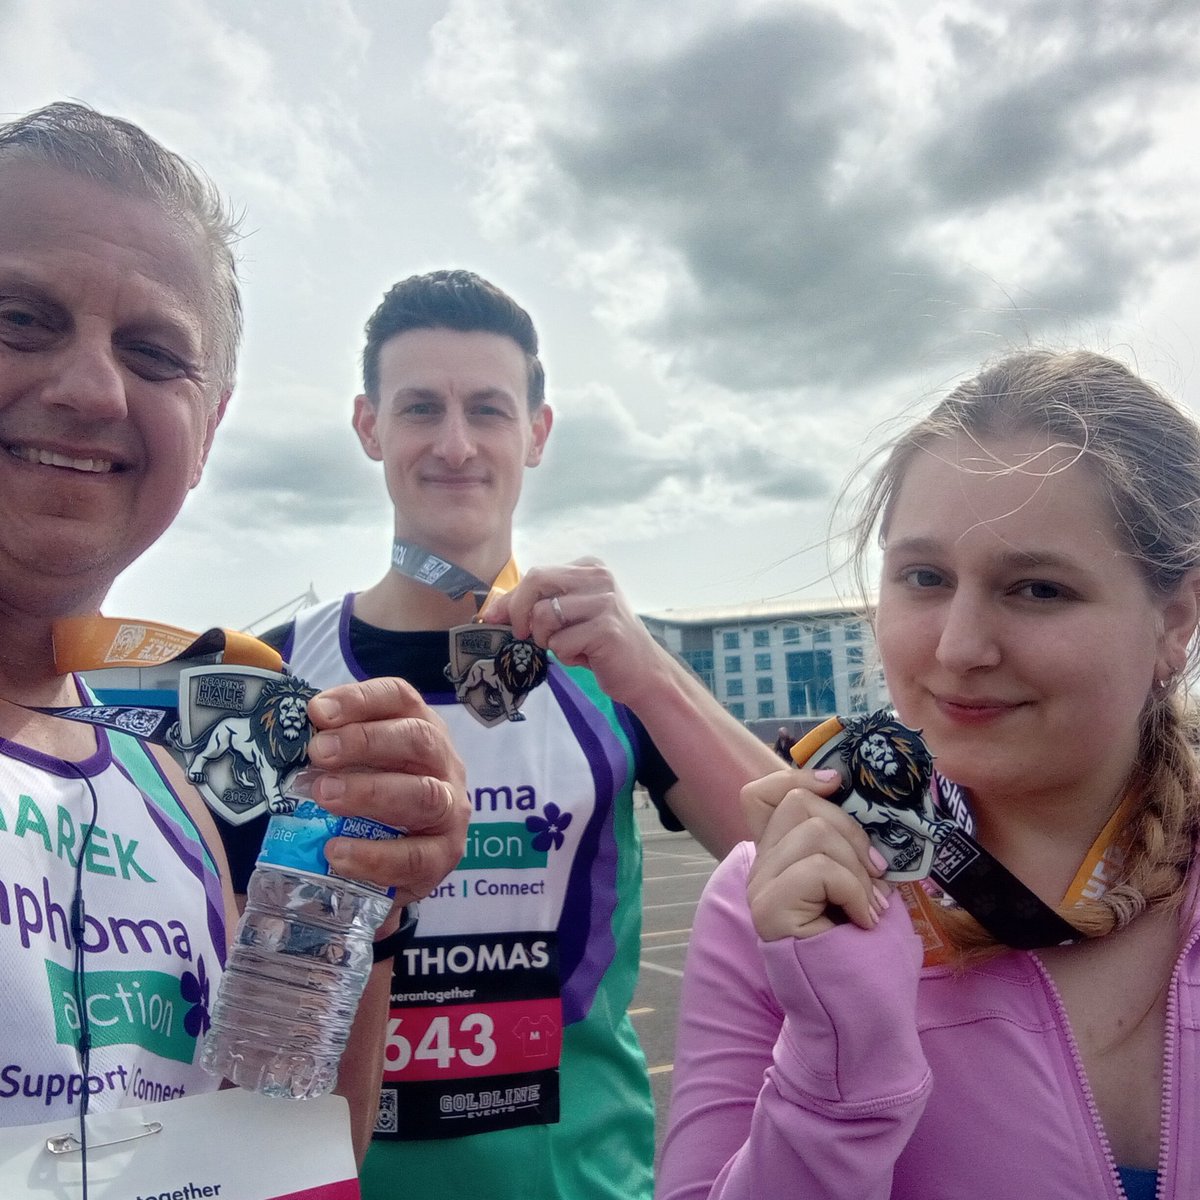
(548, 829)
(195, 991)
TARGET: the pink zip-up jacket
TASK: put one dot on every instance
(836, 1067)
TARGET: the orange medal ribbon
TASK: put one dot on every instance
(508, 579)
(93, 643)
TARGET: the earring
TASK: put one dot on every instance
(1165, 685)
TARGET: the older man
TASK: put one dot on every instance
(119, 324)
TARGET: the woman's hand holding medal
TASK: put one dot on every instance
(815, 863)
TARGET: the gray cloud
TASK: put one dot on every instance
(311, 475)
(1026, 107)
(599, 458)
(798, 196)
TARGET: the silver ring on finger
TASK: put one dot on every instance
(556, 608)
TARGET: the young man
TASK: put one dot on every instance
(119, 324)
(512, 1069)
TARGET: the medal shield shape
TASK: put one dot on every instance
(885, 772)
(243, 735)
(493, 672)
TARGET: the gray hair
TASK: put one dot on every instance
(106, 149)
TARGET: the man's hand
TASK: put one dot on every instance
(381, 752)
(579, 612)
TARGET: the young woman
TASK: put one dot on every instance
(1036, 619)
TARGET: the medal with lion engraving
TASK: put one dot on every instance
(885, 771)
(243, 735)
(493, 672)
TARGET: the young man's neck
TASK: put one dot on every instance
(402, 604)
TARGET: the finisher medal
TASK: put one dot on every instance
(886, 773)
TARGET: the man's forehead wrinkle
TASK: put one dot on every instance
(167, 259)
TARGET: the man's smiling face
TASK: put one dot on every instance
(454, 432)
(106, 414)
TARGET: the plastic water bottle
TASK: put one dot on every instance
(299, 961)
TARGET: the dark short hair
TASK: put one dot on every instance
(92, 145)
(458, 300)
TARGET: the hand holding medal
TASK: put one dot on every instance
(580, 613)
(878, 774)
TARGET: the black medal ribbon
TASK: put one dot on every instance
(240, 733)
(156, 723)
(889, 787)
(983, 886)
(492, 672)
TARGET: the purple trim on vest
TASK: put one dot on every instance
(187, 851)
(285, 651)
(591, 899)
(635, 741)
(95, 763)
(344, 638)
(90, 767)
(352, 664)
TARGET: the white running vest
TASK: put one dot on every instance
(153, 934)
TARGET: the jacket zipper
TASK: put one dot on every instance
(1169, 1046)
(1064, 1023)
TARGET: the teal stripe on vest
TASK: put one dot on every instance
(138, 760)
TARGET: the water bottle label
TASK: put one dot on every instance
(296, 841)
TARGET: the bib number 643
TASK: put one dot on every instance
(469, 1039)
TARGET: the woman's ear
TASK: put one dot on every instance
(1180, 615)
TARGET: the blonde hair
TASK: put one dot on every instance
(1144, 452)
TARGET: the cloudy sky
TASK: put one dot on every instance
(748, 230)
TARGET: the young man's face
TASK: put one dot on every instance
(105, 421)
(454, 433)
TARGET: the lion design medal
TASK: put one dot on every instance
(493, 672)
(244, 734)
(886, 770)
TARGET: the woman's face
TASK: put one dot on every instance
(1015, 630)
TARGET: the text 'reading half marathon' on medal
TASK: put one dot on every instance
(492, 671)
(888, 787)
(240, 728)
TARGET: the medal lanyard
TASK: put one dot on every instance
(423, 566)
(1034, 920)
(925, 822)
(94, 643)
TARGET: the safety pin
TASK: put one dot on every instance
(68, 1143)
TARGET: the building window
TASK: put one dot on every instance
(731, 641)
(766, 685)
(738, 710)
(766, 708)
(762, 662)
(853, 632)
(762, 637)
(858, 702)
(856, 679)
(733, 687)
(791, 635)
(854, 654)
(733, 664)
(810, 683)
(822, 634)
(701, 661)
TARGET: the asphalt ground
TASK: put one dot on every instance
(674, 871)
